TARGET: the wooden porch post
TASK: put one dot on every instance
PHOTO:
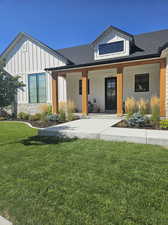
(119, 91)
(55, 109)
(163, 88)
(84, 92)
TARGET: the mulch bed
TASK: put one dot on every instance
(38, 124)
(41, 124)
(124, 124)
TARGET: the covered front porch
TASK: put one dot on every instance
(106, 87)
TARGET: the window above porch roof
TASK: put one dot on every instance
(112, 43)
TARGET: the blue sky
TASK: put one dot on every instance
(64, 23)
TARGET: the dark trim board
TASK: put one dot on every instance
(102, 62)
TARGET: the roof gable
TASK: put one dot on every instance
(22, 35)
(109, 30)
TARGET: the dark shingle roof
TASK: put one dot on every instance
(79, 54)
(147, 44)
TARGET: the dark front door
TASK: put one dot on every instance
(111, 93)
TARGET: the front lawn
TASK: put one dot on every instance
(80, 182)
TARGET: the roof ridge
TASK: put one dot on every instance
(134, 35)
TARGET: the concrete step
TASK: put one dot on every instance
(98, 116)
(102, 117)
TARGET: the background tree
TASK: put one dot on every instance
(8, 87)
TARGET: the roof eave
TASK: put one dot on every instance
(102, 62)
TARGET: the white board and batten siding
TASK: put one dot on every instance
(27, 57)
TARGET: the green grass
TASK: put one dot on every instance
(44, 181)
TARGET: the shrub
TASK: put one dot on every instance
(90, 107)
(31, 117)
(4, 113)
(23, 116)
(62, 116)
(164, 124)
(136, 120)
(49, 110)
(155, 110)
(35, 117)
(2, 118)
(52, 117)
(44, 117)
(142, 106)
(130, 106)
(70, 116)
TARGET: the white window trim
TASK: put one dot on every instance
(115, 54)
(125, 52)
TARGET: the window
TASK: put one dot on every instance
(142, 82)
(37, 88)
(113, 47)
(80, 87)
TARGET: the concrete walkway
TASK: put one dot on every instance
(3, 221)
(102, 129)
(143, 136)
(83, 128)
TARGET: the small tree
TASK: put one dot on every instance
(8, 87)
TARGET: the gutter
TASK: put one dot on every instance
(97, 63)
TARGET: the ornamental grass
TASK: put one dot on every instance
(155, 109)
(130, 105)
(142, 106)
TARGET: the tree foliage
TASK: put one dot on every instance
(8, 87)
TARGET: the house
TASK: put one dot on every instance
(116, 65)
